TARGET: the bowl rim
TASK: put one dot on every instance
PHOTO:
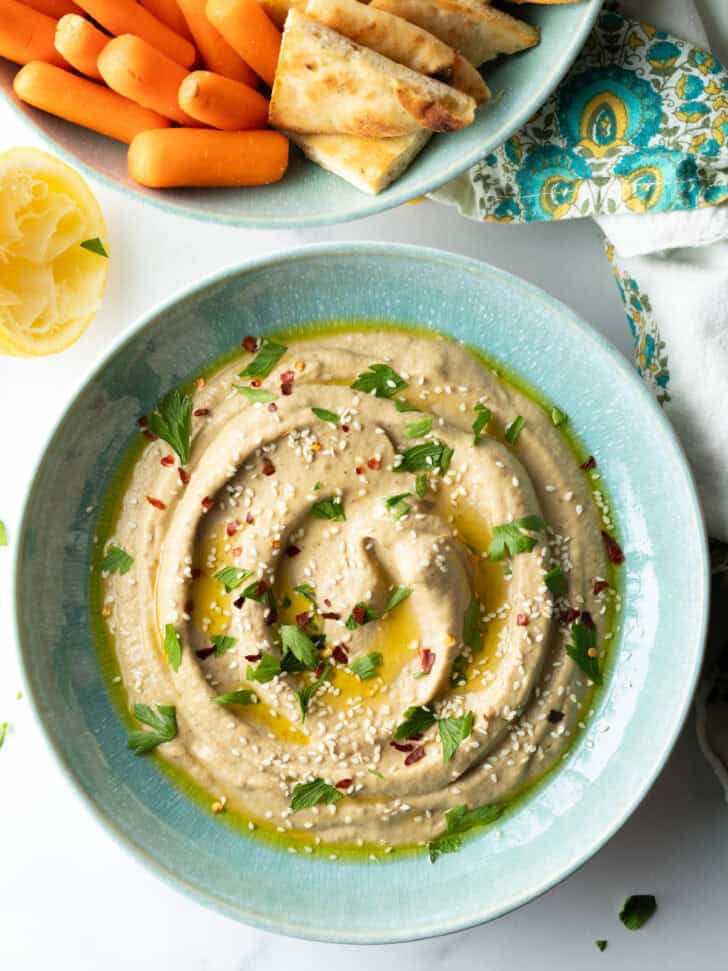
(383, 250)
(390, 198)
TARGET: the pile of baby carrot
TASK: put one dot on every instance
(129, 70)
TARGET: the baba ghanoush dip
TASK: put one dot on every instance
(360, 588)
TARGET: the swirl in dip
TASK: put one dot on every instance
(376, 591)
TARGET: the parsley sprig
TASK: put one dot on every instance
(482, 417)
(172, 421)
(459, 820)
(308, 794)
(265, 360)
(117, 560)
(367, 666)
(584, 640)
(304, 695)
(509, 538)
(163, 723)
(332, 509)
(427, 457)
(380, 380)
(231, 577)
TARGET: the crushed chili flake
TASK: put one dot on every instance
(272, 406)
(402, 746)
(167, 460)
(205, 652)
(374, 464)
(143, 421)
(207, 503)
(157, 503)
(555, 716)
(600, 585)
(569, 615)
(183, 476)
(339, 654)
(149, 435)
(232, 527)
(255, 383)
(587, 619)
(287, 376)
(249, 518)
(253, 657)
(250, 344)
(260, 588)
(427, 659)
(359, 470)
(236, 550)
(344, 783)
(359, 614)
(415, 755)
(292, 550)
(267, 468)
(239, 602)
(318, 671)
(591, 463)
(270, 616)
(614, 551)
(327, 601)
(303, 619)
(345, 428)
(201, 412)
(287, 387)
(331, 615)
(522, 620)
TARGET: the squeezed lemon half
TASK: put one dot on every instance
(50, 285)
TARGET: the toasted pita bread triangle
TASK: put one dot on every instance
(400, 41)
(479, 32)
(326, 84)
(370, 164)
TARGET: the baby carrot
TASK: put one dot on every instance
(217, 55)
(168, 11)
(128, 17)
(26, 35)
(82, 102)
(132, 67)
(221, 103)
(245, 26)
(80, 43)
(197, 157)
(53, 8)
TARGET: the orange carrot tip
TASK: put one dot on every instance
(221, 103)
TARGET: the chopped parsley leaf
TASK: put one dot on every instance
(426, 458)
(307, 591)
(243, 697)
(172, 647)
(509, 539)
(416, 721)
(231, 577)
(267, 668)
(367, 615)
(454, 731)
(460, 819)
(442, 845)
(94, 246)
(403, 406)
(329, 509)
(585, 640)
(637, 910)
(326, 415)
(304, 696)
(558, 417)
(398, 596)
(515, 429)
(556, 581)
(418, 427)
(163, 723)
(308, 794)
(265, 360)
(482, 418)
(299, 644)
(397, 507)
(222, 643)
(421, 485)
(602, 945)
(256, 394)
(116, 560)
(172, 421)
(380, 380)
(367, 667)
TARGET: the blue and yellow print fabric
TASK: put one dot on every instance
(640, 124)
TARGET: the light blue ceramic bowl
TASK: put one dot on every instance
(308, 196)
(653, 667)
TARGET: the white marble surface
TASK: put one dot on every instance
(70, 898)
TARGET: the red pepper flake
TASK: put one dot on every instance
(249, 518)
(232, 527)
(327, 601)
(149, 435)
(143, 421)
(255, 383)
(587, 619)
(253, 657)
(331, 615)
(344, 784)
(287, 377)
(207, 503)
(345, 428)
(268, 468)
(239, 602)
(292, 550)
(260, 588)
(196, 572)
(339, 654)
(270, 616)
(201, 412)
(318, 671)
(205, 652)
(614, 551)
(184, 477)
(250, 344)
(401, 747)
(427, 659)
(236, 550)
(554, 716)
(287, 387)
(167, 460)
(591, 463)
(522, 620)
(415, 755)
(157, 503)
(569, 615)
(359, 470)
(600, 585)
(303, 619)
(374, 464)
(359, 614)
(272, 406)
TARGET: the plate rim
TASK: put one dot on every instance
(390, 198)
(383, 250)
